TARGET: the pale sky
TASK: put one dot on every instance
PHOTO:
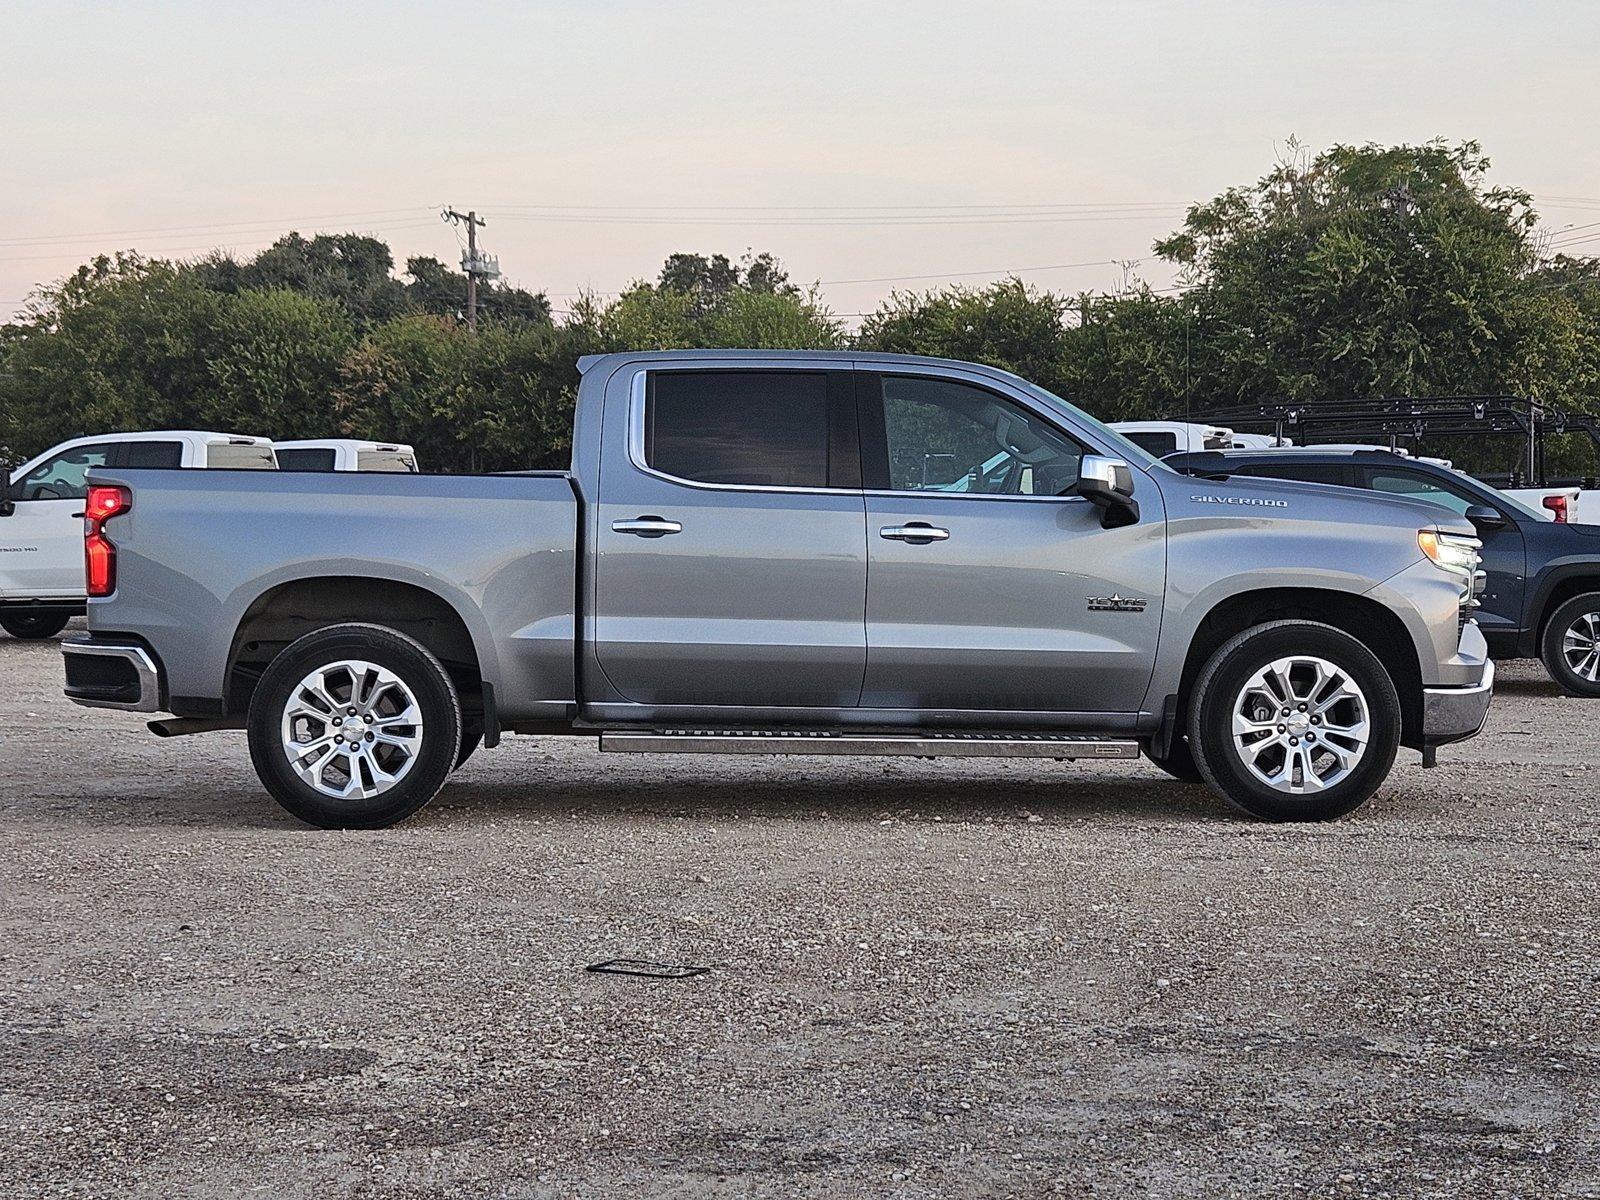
(828, 133)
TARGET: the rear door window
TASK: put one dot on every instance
(306, 458)
(749, 428)
(161, 456)
(1158, 443)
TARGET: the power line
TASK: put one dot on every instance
(831, 222)
(1161, 204)
(64, 255)
(49, 239)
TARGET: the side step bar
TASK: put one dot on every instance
(920, 745)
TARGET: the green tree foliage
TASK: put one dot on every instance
(1007, 325)
(1372, 271)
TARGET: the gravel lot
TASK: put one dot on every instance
(928, 979)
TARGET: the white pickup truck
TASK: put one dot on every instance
(41, 531)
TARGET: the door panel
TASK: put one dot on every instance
(998, 615)
(1017, 598)
(758, 597)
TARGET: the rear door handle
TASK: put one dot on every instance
(918, 533)
(649, 527)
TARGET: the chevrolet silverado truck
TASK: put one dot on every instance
(762, 552)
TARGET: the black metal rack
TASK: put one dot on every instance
(1399, 419)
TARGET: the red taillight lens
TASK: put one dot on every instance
(99, 555)
(1557, 505)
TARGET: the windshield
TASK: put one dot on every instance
(1135, 454)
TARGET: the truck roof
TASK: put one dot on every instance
(588, 362)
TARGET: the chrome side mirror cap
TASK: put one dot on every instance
(1108, 484)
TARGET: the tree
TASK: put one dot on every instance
(1368, 271)
(352, 269)
(1007, 325)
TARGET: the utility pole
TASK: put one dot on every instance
(476, 265)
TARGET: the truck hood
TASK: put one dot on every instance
(1246, 496)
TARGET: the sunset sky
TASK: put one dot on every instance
(899, 144)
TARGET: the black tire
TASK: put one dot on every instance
(415, 668)
(1221, 683)
(1179, 762)
(1551, 646)
(471, 739)
(33, 626)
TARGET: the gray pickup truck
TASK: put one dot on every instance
(804, 553)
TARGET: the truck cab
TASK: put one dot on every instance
(41, 534)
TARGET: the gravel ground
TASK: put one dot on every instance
(927, 979)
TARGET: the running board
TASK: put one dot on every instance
(922, 745)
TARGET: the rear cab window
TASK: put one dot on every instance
(240, 456)
(384, 460)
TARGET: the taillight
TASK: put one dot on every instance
(1557, 505)
(99, 555)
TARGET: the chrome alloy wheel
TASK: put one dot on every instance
(1580, 646)
(1301, 724)
(351, 729)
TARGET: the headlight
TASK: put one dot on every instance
(1450, 551)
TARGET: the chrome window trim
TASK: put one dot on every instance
(638, 390)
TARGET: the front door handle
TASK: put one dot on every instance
(649, 527)
(918, 533)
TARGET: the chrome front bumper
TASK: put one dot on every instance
(111, 674)
(1453, 714)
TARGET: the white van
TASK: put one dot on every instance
(41, 534)
(345, 454)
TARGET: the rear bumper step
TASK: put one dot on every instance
(920, 745)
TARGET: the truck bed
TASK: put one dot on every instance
(200, 551)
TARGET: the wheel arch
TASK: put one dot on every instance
(1564, 586)
(1371, 623)
(292, 608)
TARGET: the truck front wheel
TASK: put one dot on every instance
(1571, 645)
(354, 727)
(1294, 721)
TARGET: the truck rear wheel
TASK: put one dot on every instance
(31, 626)
(1294, 721)
(354, 727)
(1570, 647)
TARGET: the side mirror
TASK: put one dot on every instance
(1107, 483)
(8, 491)
(1484, 518)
